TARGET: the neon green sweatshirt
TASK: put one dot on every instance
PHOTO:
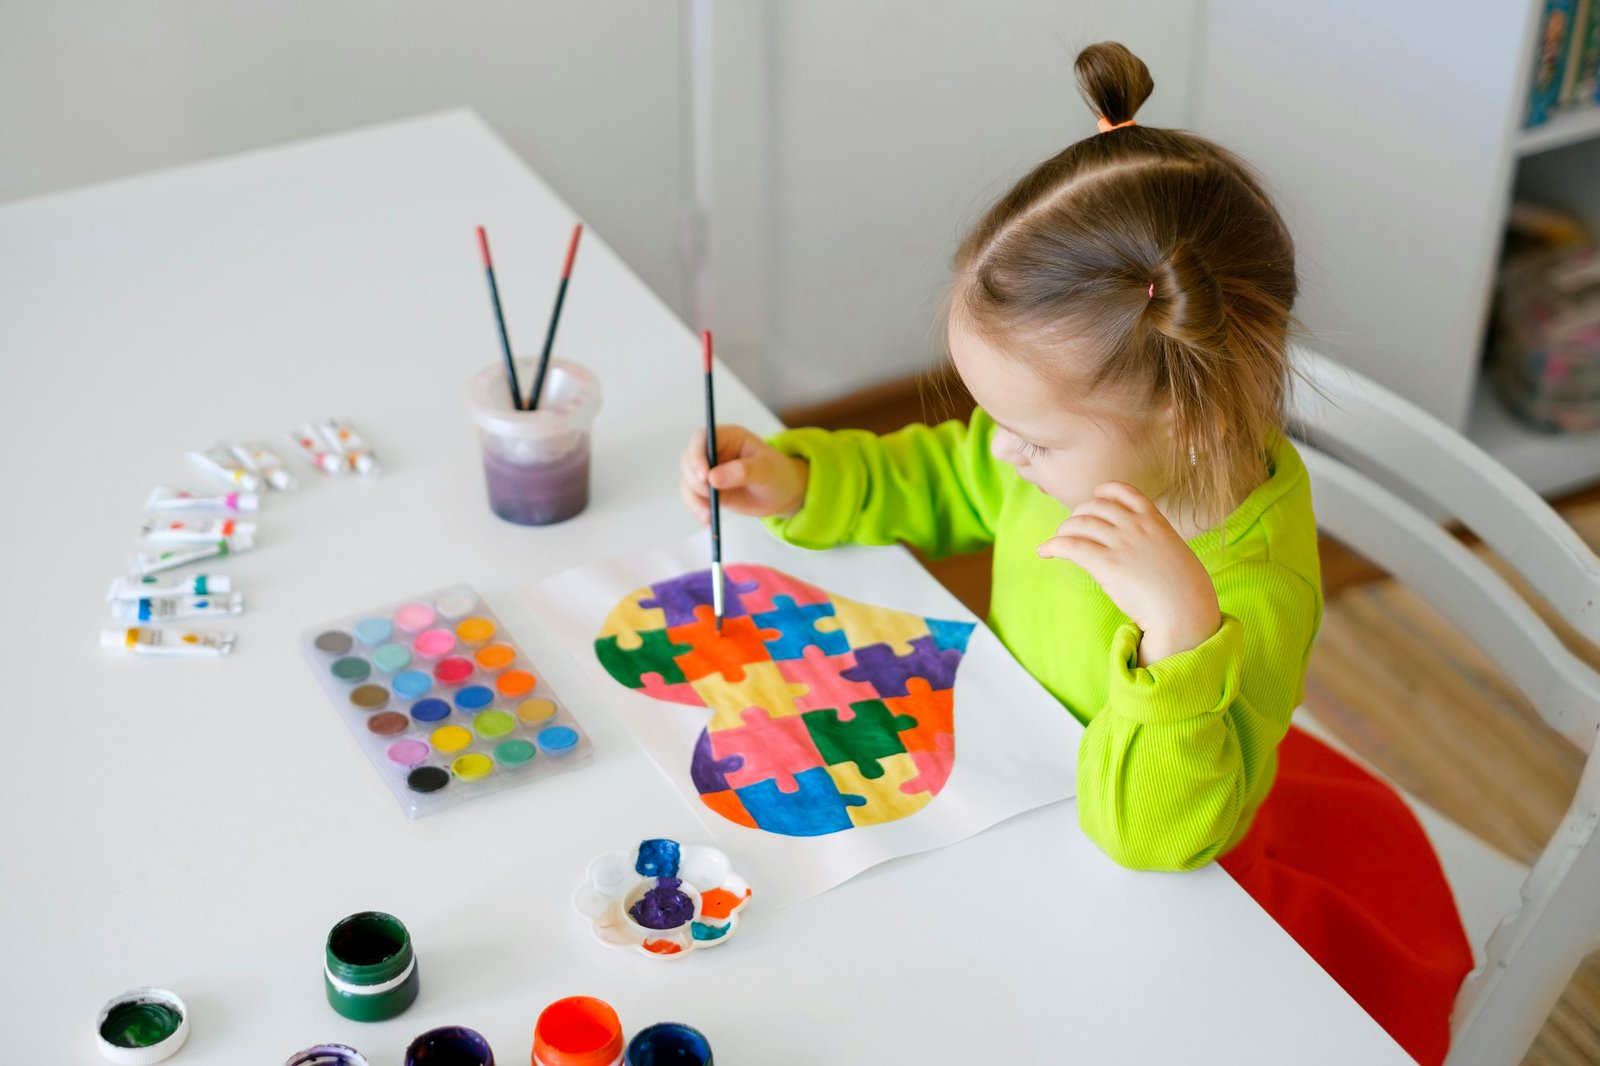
(1176, 757)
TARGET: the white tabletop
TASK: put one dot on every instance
(200, 825)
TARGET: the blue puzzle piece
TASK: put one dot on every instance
(657, 858)
(798, 626)
(679, 596)
(887, 672)
(948, 636)
(818, 808)
(709, 773)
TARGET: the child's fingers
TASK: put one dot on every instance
(1112, 512)
(693, 459)
(1086, 553)
(730, 475)
(697, 506)
(1090, 527)
(1125, 494)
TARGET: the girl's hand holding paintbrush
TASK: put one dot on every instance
(751, 477)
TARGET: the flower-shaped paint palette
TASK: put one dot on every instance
(662, 898)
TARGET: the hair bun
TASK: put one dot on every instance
(1114, 82)
(1186, 301)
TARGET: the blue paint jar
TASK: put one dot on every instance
(669, 1044)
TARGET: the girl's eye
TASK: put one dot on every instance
(1029, 449)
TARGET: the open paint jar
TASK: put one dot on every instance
(142, 1027)
(536, 463)
(371, 972)
(578, 1031)
(451, 1045)
(669, 1044)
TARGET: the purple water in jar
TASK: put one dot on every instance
(537, 494)
(536, 463)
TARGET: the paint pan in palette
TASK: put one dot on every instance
(444, 702)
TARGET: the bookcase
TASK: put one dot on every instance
(1392, 135)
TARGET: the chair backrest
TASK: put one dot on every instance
(1357, 433)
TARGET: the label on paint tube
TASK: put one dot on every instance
(309, 444)
(219, 462)
(142, 640)
(147, 563)
(166, 531)
(260, 461)
(173, 608)
(170, 500)
(139, 588)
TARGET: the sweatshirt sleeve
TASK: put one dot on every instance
(1165, 768)
(936, 488)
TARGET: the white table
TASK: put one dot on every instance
(201, 824)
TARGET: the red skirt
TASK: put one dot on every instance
(1339, 860)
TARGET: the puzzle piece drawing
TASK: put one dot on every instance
(821, 714)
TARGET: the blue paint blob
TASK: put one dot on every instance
(410, 684)
(474, 698)
(558, 738)
(702, 931)
(430, 710)
(657, 858)
(373, 630)
(669, 1044)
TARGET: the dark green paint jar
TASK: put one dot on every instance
(370, 971)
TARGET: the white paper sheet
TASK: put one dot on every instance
(1015, 746)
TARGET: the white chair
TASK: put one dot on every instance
(1529, 928)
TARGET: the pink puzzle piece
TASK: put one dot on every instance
(651, 685)
(776, 748)
(771, 584)
(828, 689)
(933, 767)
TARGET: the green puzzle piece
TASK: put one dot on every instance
(873, 734)
(655, 656)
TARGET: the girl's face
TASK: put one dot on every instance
(1064, 451)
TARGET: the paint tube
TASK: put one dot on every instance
(147, 563)
(348, 442)
(232, 503)
(219, 462)
(140, 588)
(264, 464)
(166, 531)
(173, 608)
(143, 640)
(308, 442)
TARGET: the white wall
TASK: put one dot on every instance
(853, 141)
(587, 92)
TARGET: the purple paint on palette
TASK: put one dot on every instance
(664, 906)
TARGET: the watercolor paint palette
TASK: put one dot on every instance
(442, 700)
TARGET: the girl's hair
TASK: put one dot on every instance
(1158, 258)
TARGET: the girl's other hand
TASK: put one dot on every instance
(1141, 562)
(751, 477)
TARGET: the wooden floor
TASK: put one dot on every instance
(1395, 683)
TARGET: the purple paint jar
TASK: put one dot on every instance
(535, 463)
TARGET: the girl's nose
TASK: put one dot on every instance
(1004, 446)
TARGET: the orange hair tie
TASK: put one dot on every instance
(1105, 126)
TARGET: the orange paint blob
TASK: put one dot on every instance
(514, 683)
(662, 947)
(719, 902)
(496, 656)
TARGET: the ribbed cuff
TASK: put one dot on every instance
(834, 489)
(1191, 683)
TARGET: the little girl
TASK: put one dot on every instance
(1121, 316)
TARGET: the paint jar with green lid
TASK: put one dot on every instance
(370, 971)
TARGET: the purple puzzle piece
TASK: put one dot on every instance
(888, 672)
(709, 773)
(679, 596)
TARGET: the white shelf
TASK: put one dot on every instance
(1564, 128)
(1550, 463)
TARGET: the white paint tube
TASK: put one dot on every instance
(166, 531)
(147, 563)
(143, 640)
(308, 442)
(220, 463)
(345, 440)
(172, 500)
(139, 588)
(264, 464)
(173, 608)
